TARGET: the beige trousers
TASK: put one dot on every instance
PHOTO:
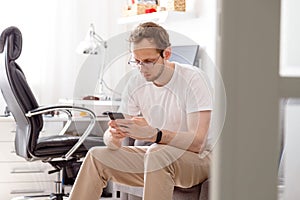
(157, 167)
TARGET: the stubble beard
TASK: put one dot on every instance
(152, 79)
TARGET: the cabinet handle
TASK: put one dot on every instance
(26, 171)
(26, 191)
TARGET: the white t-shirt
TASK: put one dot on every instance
(166, 107)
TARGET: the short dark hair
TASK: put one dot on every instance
(153, 32)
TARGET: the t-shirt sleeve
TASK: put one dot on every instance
(199, 96)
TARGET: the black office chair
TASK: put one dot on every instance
(62, 150)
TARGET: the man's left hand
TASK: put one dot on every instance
(137, 128)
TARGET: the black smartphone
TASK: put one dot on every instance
(115, 115)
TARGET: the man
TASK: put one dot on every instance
(166, 103)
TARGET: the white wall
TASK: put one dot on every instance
(202, 28)
(292, 150)
(290, 40)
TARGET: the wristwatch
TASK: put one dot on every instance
(158, 136)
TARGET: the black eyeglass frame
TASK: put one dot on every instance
(144, 64)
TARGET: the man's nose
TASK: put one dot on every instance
(142, 68)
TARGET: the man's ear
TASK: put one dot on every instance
(167, 53)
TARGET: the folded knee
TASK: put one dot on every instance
(157, 157)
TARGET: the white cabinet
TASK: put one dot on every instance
(19, 177)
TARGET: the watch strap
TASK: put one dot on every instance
(158, 136)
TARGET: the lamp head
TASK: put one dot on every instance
(92, 43)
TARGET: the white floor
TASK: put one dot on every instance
(65, 198)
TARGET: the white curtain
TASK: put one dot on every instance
(49, 34)
(51, 31)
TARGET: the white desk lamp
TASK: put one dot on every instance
(93, 44)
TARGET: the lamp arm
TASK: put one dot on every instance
(100, 40)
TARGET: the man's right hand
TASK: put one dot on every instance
(115, 131)
(113, 137)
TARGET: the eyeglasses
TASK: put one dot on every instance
(147, 64)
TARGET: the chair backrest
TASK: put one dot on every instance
(17, 93)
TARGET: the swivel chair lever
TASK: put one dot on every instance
(54, 171)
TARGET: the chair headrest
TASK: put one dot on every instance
(14, 37)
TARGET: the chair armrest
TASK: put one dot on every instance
(46, 109)
(67, 109)
(63, 108)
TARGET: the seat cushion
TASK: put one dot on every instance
(191, 193)
(204, 194)
(197, 192)
(58, 145)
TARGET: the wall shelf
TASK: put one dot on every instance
(158, 17)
